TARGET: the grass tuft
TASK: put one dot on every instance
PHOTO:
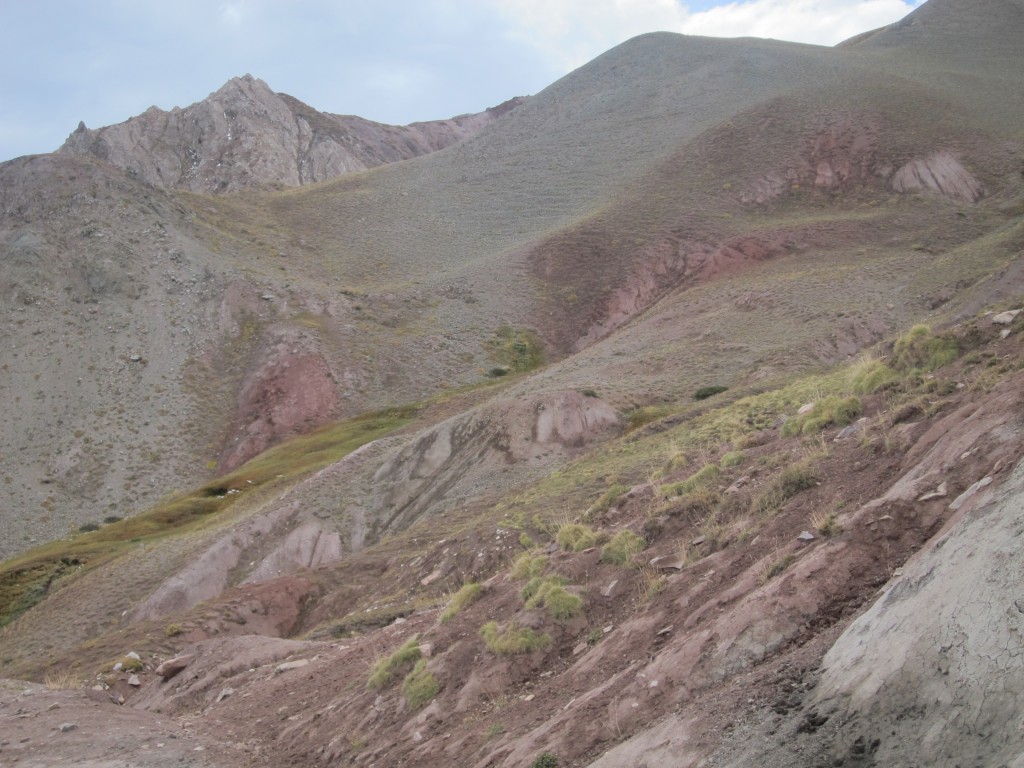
(420, 686)
(467, 595)
(528, 566)
(513, 639)
(830, 412)
(385, 670)
(621, 548)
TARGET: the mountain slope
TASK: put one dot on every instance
(553, 409)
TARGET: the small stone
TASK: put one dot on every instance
(288, 666)
(224, 693)
(1004, 333)
(135, 358)
(963, 497)
(528, 697)
(664, 631)
(805, 408)
(398, 620)
(581, 648)
(938, 493)
(133, 655)
(1005, 318)
(65, 727)
(53, 706)
(117, 667)
(699, 540)
(610, 589)
(133, 680)
(426, 650)
(806, 536)
(740, 482)
(171, 667)
(608, 629)
(430, 579)
(549, 673)
(267, 297)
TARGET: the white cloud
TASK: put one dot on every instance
(231, 14)
(823, 22)
(571, 32)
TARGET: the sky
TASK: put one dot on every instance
(394, 61)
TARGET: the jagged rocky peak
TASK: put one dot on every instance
(244, 135)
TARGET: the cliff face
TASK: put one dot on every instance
(246, 135)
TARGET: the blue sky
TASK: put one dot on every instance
(397, 61)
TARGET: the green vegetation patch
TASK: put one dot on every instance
(702, 478)
(705, 392)
(830, 412)
(607, 500)
(575, 537)
(919, 349)
(419, 686)
(550, 592)
(870, 376)
(467, 595)
(791, 481)
(621, 548)
(515, 351)
(28, 578)
(385, 670)
(528, 566)
(513, 639)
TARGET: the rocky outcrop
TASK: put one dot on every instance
(245, 135)
(941, 174)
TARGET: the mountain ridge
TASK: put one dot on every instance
(243, 135)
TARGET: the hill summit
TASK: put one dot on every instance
(246, 135)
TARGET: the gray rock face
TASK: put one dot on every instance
(245, 135)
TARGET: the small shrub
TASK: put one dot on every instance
(61, 681)
(705, 392)
(871, 376)
(702, 478)
(88, 527)
(130, 664)
(588, 393)
(639, 417)
(513, 639)
(733, 458)
(790, 482)
(419, 686)
(796, 478)
(621, 548)
(551, 593)
(919, 349)
(825, 523)
(385, 670)
(832, 411)
(545, 760)
(527, 566)
(694, 505)
(173, 630)
(652, 582)
(111, 519)
(607, 500)
(773, 569)
(575, 537)
(467, 595)
(526, 542)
